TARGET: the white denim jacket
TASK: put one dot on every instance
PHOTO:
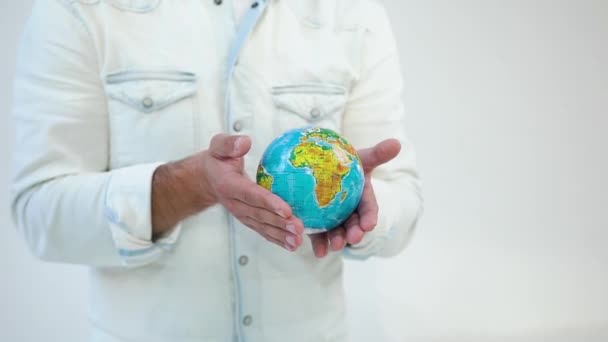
(107, 90)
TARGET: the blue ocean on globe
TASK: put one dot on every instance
(317, 172)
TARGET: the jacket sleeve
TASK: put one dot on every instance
(65, 202)
(376, 112)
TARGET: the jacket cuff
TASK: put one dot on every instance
(389, 230)
(128, 209)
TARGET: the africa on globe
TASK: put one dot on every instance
(317, 172)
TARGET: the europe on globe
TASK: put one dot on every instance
(317, 172)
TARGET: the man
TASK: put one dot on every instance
(139, 126)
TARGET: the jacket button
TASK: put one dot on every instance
(218, 2)
(237, 126)
(147, 102)
(247, 320)
(243, 260)
(315, 113)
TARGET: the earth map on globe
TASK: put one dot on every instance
(317, 172)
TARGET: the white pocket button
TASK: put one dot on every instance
(147, 102)
(315, 113)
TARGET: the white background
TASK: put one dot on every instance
(508, 108)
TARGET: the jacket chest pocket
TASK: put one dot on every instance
(309, 104)
(152, 116)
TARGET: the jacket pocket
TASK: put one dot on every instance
(152, 114)
(309, 104)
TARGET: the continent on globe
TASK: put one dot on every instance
(263, 178)
(329, 164)
(317, 172)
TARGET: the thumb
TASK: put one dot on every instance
(380, 154)
(229, 146)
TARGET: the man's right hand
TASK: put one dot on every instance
(184, 188)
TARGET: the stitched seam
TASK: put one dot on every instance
(69, 6)
(152, 5)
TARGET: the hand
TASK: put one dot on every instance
(254, 206)
(221, 179)
(364, 219)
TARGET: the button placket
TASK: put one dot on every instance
(236, 125)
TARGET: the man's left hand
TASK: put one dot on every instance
(364, 219)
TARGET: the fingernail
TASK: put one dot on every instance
(334, 241)
(289, 248)
(291, 228)
(280, 213)
(291, 240)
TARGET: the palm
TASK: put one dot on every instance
(364, 219)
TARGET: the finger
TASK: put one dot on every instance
(354, 233)
(368, 208)
(244, 190)
(319, 244)
(337, 238)
(229, 146)
(292, 225)
(273, 234)
(382, 153)
(352, 221)
(239, 208)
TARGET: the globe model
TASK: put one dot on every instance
(317, 172)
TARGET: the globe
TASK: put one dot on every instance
(317, 172)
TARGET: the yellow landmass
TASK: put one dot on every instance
(328, 169)
(264, 179)
(343, 197)
(334, 139)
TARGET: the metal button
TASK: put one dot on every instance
(315, 113)
(147, 102)
(218, 2)
(237, 126)
(247, 320)
(243, 260)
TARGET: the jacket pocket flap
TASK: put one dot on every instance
(311, 101)
(150, 91)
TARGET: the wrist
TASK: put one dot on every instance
(195, 180)
(179, 190)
